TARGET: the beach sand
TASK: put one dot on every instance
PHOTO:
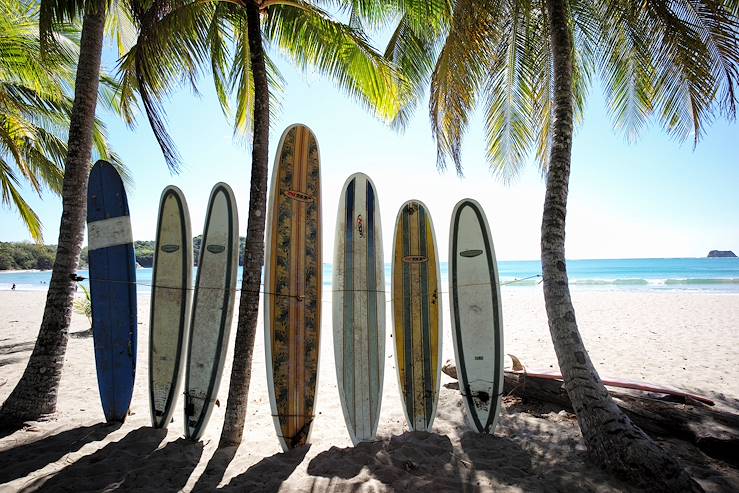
(688, 340)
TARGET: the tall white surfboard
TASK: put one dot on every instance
(359, 307)
(212, 308)
(171, 294)
(477, 318)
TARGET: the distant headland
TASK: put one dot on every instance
(721, 253)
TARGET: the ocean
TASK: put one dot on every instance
(661, 274)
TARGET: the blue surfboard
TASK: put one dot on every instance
(112, 267)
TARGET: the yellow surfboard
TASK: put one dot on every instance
(293, 282)
(417, 314)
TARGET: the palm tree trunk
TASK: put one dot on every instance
(238, 391)
(35, 396)
(612, 439)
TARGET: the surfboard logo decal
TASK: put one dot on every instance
(415, 259)
(215, 248)
(169, 248)
(299, 196)
(360, 226)
(471, 253)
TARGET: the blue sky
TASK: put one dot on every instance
(655, 198)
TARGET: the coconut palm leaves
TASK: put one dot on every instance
(178, 39)
(35, 104)
(677, 61)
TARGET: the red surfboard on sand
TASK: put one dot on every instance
(519, 369)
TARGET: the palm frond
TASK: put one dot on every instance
(414, 54)
(509, 105)
(36, 89)
(459, 75)
(311, 39)
(169, 51)
(11, 195)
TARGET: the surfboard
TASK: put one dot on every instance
(359, 307)
(293, 276)
(112, 271)
(170, 305)
(477, 318)
(621, 383)
(212, 308)
(417, 314)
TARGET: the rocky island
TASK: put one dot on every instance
(721, 253)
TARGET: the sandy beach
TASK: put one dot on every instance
(683, 339)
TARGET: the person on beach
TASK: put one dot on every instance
(12, 288)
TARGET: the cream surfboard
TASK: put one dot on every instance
(359, 307)
(477, 319)
(417, 322)
(212, 308)
(170, 305)
(293, 273)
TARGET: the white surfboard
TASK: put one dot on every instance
(477, 318)
(170, 305)
(359, 307)
(212, 308)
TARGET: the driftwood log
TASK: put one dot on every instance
(714, 432)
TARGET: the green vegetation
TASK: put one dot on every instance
(144, 253)
(83, 305)
(35, 106)
(27, 256)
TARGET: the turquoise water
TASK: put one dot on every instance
(693, 274)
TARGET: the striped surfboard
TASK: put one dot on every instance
(417, 314)
(171, 293)
(477, 320)
(359, 307)
(293, 277)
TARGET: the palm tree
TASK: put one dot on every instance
(35, 394)
(530, 64)
(310, 38)
(35, 107)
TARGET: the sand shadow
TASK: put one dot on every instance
(214, 470)
(268, 474)
(538, 447)
(10, 361)
(31, 457)
(413, 461)
(108, 468)
(19, 347)
(499, 460)
(168, 468)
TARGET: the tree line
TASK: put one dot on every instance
(30, 256)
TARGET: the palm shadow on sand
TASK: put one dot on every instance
(413, 461)
(214, 470)
(27, 458)
(421, 461)
(537, 458)
(265, 476)
(268, 474)
(128, 465)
